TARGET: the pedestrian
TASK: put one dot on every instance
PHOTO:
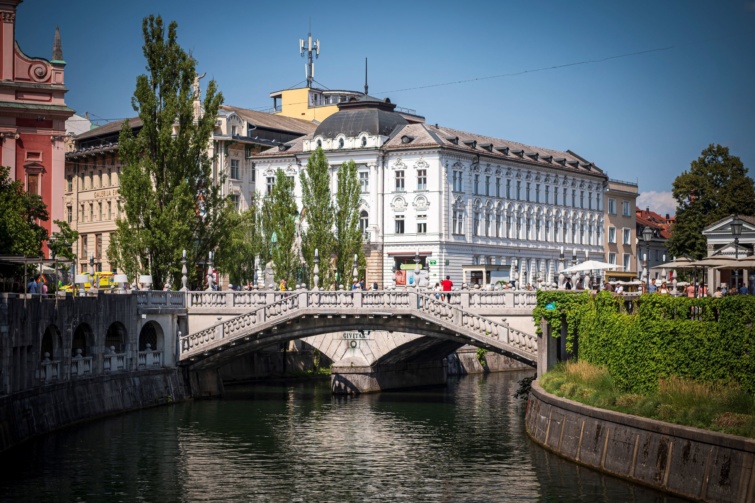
(375, 285)
(42, 286)
(718, 293)
(446, 286)
(437, 290)
(567, 285)
(743, 289)
(652, 288)
(663, 289)
(32, 287)
(361, 285)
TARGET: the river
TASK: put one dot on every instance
(296, 442)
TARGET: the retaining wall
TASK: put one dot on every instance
(689, 462)
(40, 410)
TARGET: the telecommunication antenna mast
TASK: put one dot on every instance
(310, 49)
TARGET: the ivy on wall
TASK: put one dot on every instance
(658, 336)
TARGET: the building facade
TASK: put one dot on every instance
(92, 198)
(650, 255)
(720, 241)
(33, 113)
(620, 224)
(453, 198)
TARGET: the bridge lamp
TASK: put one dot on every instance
(736, 231)
(647, 236)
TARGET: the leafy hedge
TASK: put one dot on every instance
(658, 336)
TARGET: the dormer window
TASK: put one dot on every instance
(319, 143)
(364, 141)
(547, 158)
(560, 160)
(533, 155)
(453, 139)
(487, 146)
(519, 153)
(407, 139)
(340, 143)
(503, 150)
(470, 143)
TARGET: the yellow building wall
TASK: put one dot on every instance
(295, 104)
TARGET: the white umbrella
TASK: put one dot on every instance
(677, 263)
(590, 265)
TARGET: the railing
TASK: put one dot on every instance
(149, 358)
(159, 298)
(49, 370)
(253, 298)
(81, 366)
(114, 362)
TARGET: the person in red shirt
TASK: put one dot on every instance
(446, 285)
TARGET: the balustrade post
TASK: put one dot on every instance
(358, 299)
(464, 299)
(303, 299)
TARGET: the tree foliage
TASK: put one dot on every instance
(239, 247)
(171, 201)
(317, 217)
(279, 219)
(348, 237)
(20, 214)
(715, 187)
(61, 242)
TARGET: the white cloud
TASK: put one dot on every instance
(659, 202)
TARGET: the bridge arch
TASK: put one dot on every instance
(116, 337)
(152, 333)
(51, 344)
(83, 339)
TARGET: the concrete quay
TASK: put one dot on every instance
(697, 464)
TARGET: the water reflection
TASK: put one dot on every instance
(296, 442)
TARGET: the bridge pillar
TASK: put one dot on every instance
(547, 348)
(205, 383)
(353, 380)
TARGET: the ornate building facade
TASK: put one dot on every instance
(453, 198)
(32, 116)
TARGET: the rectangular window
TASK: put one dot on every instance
(612, 235)
(528, 191)
(106, 179)
(458, 222)
(611, 206)
(487, 185)
(99, 179)
(99, 211)
(573, 198)
(364, 181)
(627, 261)
(270, 182)
(537, 193)
(292, 184)
(611, 258)
(109, 211)
(564, 198)
(235, 169)
(518, 190)
(98, 246)
(234, 130)
(422, 228)
(236, 201)
(476, 223)
(547, 194)
(400, 181)
(476, 184)
(582, 199)
(69, 183)
(508, 189)
(555, 195)
(421, 179)
(81, 212)
(589, 200)
(32, 182)
(399, 224)
(627, 236)
(497, 187)
(625, 209)
(84, 247)
(69, 214)
(91, 212)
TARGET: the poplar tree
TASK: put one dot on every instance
(348, 236)
(239, 247)
(317, 217)
(715, 187)
(279, 219)
(170, 200)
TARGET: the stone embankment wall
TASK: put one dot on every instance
(40, 410)
(465, 361)
(689, 462)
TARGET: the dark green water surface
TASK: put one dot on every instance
(296, 442)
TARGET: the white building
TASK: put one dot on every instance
(456, 198)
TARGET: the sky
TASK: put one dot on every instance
(638, 88)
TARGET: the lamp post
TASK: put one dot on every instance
(563, 266)
(736, 231)
(647, 236)
(317, 269)
(416, 267)
(184, 278)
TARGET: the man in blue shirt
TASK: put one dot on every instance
(32, 287)
(743, 289)
(652, 288)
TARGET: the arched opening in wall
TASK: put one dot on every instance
(152, 334)
(83, 337)
(115, 338)
(52, 345)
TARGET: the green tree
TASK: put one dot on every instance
(348, 236)
(61, 242)
(239, 247)
(171, 201)
(716, 186)
(20, 214)
(279, 222)
(317, 217)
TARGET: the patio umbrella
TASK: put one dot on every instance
(743, 263)
(713, 262)
(677, 263)
(590, 265)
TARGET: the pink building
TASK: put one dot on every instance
(32, 116)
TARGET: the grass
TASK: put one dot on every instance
(723, 407)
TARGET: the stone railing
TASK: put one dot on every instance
(159, 298)
(115, 362)
(464, 299)
(81, 366)
(49, 370)
(149, 358)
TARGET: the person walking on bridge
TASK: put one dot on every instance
(447, 285)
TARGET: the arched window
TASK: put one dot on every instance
(363, 221)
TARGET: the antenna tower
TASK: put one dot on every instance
(311, 48)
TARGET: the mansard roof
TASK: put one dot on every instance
(270, 121)
(365, 115)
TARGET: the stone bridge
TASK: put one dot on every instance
(377, 339)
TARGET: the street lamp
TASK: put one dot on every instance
(736, 231)
(647, 236)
